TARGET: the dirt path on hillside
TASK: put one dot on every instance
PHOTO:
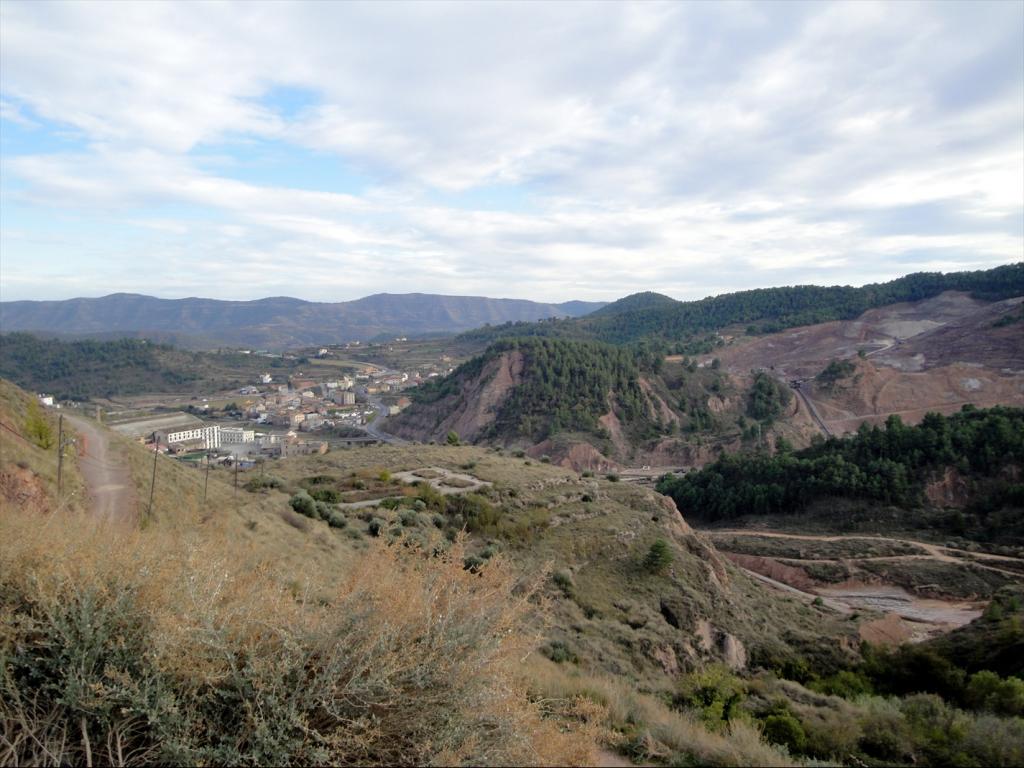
(908, 616)
(107, 480)
(936, 551)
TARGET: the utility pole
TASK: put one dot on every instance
(236, 476)
(152, 483)
(60, 456)
(206, 480)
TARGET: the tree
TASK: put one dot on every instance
(452, 438)
(37, 427)
(658, 557)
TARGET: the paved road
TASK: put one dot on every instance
(374, 430)
(107, 480)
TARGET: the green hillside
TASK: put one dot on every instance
(886, 467)
(79, 370)
(759, 311)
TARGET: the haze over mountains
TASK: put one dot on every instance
(275, 322)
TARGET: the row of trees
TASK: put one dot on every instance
(888, 465)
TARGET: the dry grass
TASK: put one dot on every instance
(641, 726)
(19, 452)
(139, 647)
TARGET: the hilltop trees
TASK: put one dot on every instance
(767, 397)
(886, 465)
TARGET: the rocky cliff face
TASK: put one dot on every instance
(469, 411)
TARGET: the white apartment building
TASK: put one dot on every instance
(236, 435)
(210, 436)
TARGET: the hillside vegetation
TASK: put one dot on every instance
(564, 386)
(525, 621)
(763, 310)
(887, 466)
(79, 370)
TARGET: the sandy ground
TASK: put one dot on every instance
(907, 617)
(108, 481)
(437, 481)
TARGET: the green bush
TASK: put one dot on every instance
(985, 690)
(337, 520)
(846, 684)
(37, 427)
(786, 731)
(328, 495)
(259, 483)
(409, 518)
(560, 653)
(376, 526)
(658, 557)
(304, 504)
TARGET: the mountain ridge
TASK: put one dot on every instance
(274, 322)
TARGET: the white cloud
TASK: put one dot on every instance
(650, 146)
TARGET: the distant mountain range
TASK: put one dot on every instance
(273, 323)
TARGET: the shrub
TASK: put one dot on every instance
(658, 557)
(328, 495)
(473, 511)
(147, 649)
(409, 518)
(260, 483)
(384, 476)
(611, 477)
(786, 731)
(337, 520)
(847, 684)
(375, 526)
(37, 427)
(559, 652)
(452, 438)
(563, 580)
(304, 504)
(985, 690)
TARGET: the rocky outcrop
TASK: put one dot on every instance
(470, 410)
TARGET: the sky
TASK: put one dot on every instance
(547, 151)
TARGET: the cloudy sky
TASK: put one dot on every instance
(533, 150)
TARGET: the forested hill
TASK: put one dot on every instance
(885, 466)
(760, 311)
(273, 323)
(557, 386)
(79, 370)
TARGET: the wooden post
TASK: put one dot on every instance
(206, 480)
(152, 482)
(60, 456)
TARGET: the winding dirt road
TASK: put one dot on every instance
(108, 481)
